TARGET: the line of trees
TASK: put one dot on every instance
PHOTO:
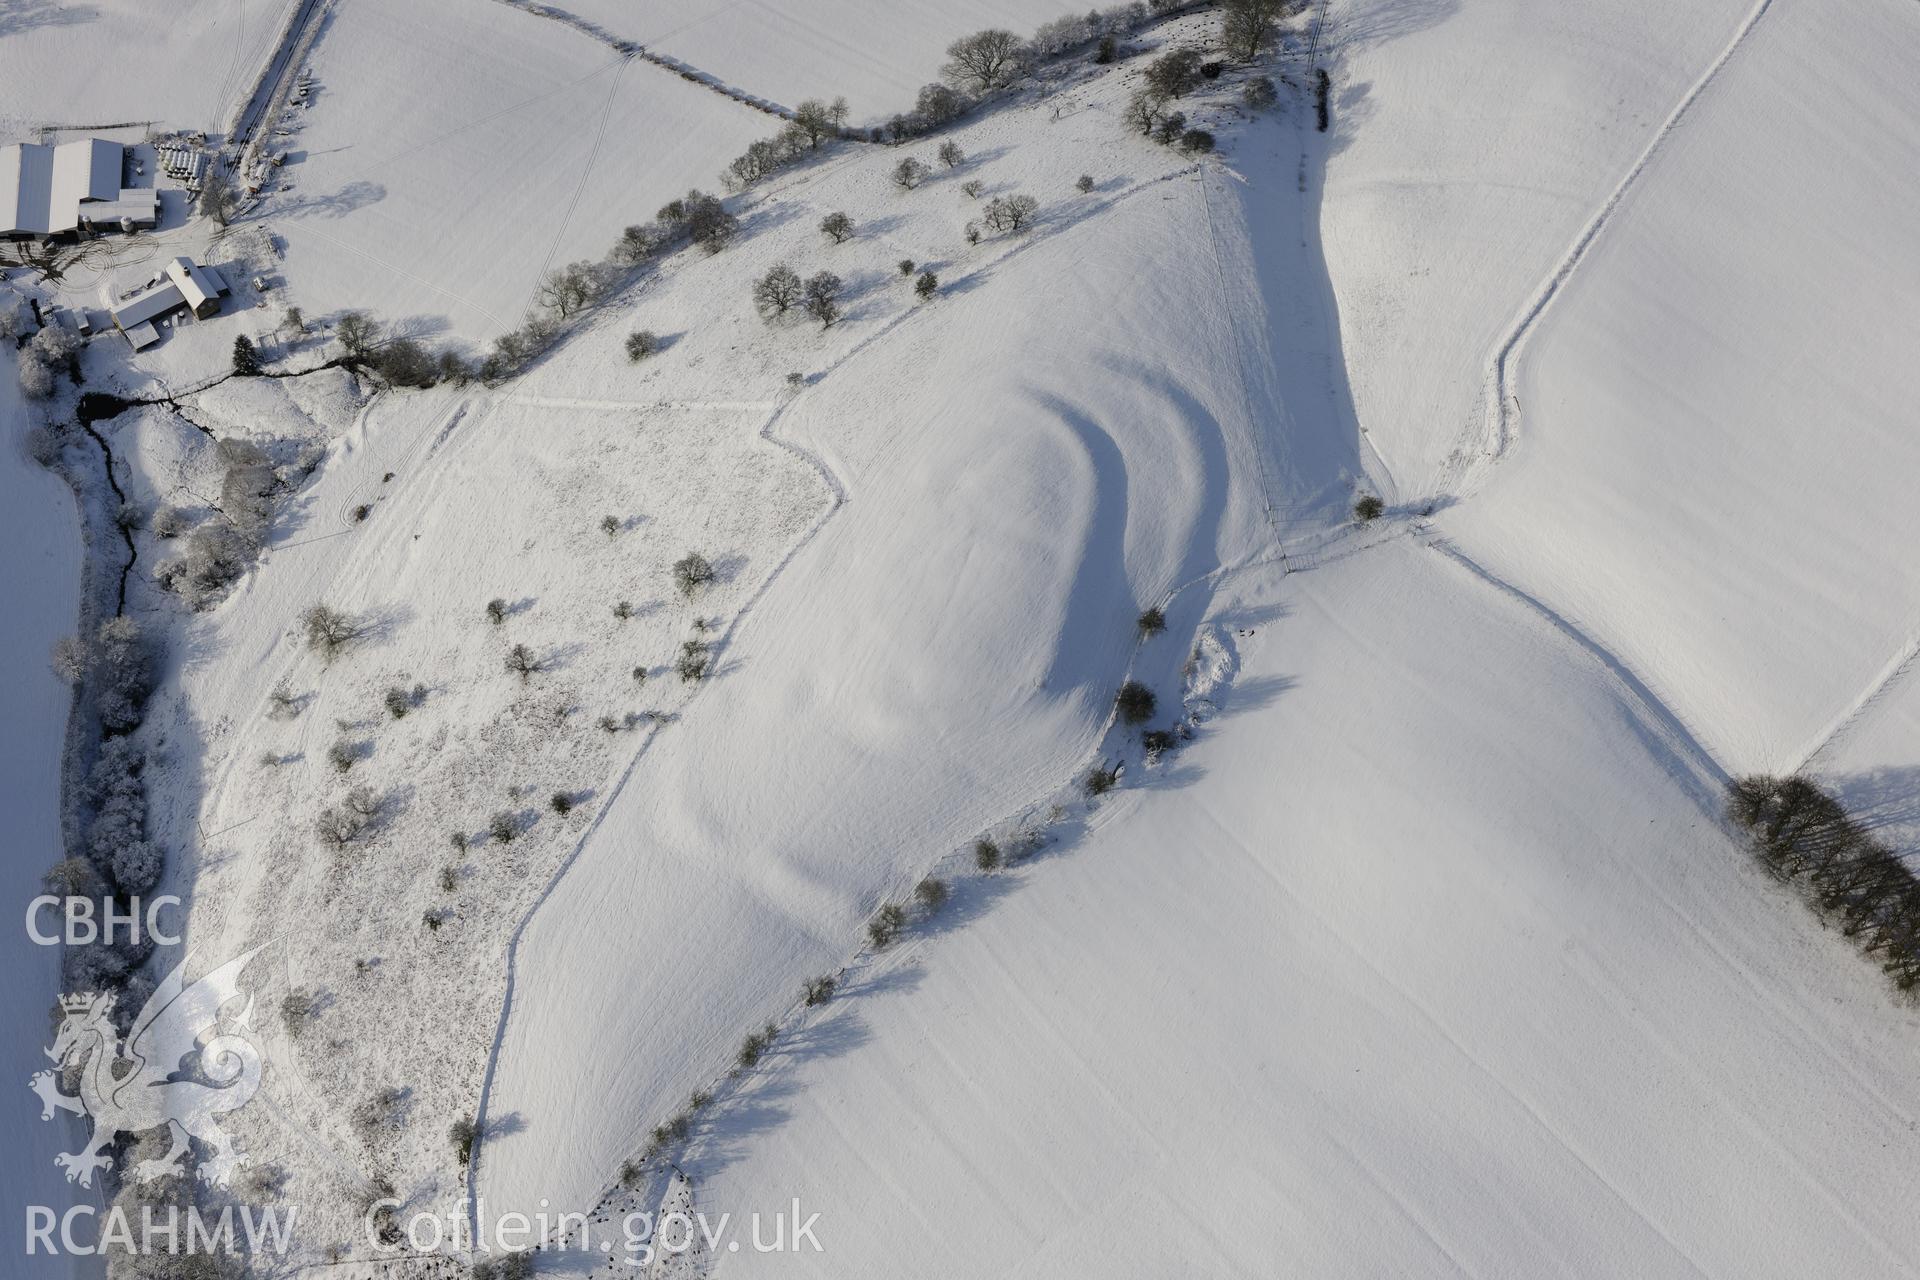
(814, 123)
(113, 670)
(1804, 837)
(697, 218)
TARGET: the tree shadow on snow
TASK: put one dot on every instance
(1886, 803)
(354, 196)
(17, 17)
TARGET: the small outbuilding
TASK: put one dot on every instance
(201, 287)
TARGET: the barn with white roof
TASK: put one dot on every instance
(53, 191)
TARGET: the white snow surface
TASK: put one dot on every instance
(942, 653)
(178, 65)
(875, 56)
(40, 578)
(452, 153)
(1429, 957)
(1713, 445)
(1474, 143)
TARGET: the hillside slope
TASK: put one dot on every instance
(1428, 957)
(1714, 433)
(1055, 443)
(1476, 141)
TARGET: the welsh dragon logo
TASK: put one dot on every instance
(142, 1083)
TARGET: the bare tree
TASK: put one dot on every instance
(522, 662)
(71, 659)
(329, 630)
(758, 161)
(777, 291)
(823, 298)
(885, 926)
(36, 380)
(695, 657)
(219, 199)
(910, 173)
(359, 333)
(931, 893)
(951, 155)
(691, 572)
(708, 223)
(338, 828)
(838, 227)
(816, 120)
(1011, 213)
(568, 289)
(985, 60)
(1248, 26)
(169, 522)
(72, 878)
(937, 104)
(1144, 110)
(1174, 73)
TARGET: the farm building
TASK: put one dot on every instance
(49, 191)
(184, 285)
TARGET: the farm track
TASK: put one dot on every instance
(1487, 442)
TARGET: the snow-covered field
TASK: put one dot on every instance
(1475, 143)
(1714, 440)
(1427, 958)
(455, 152)
(1429, 953)
(875, 56)
(89, 64)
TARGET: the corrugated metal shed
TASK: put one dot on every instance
(140, 204)
(43, 189)
(85, 170)
(26, 188)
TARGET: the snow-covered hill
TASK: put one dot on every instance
(453, 153)
(1427, 958)
(1712, 427)
(1430, 951)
